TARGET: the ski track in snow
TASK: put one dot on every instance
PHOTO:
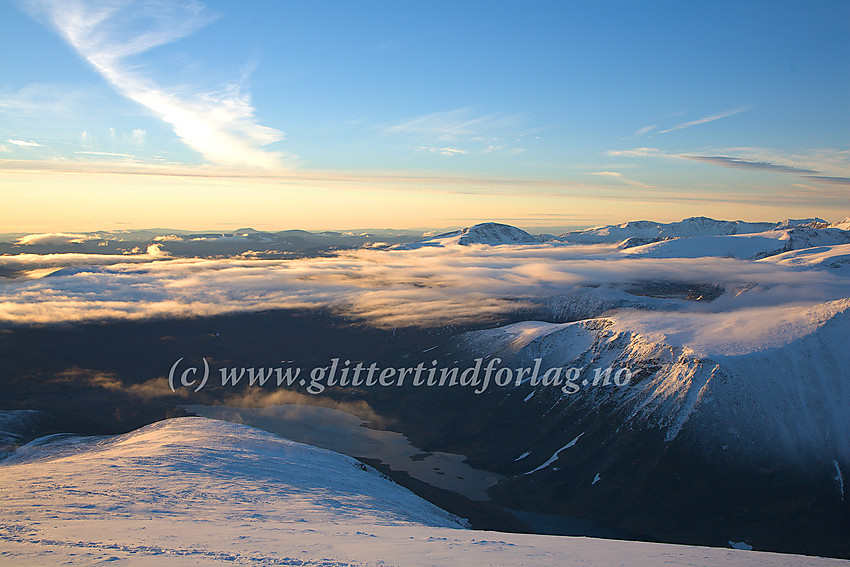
(127, 551)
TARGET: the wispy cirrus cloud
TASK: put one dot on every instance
(619, 177)
(645, 130)
(220, 125)
(829, 179)
(727, 161)
(821, 165)
(642, 131)
(458, 124)
(641, 152)
(706, 119)
(480, 133)
(50, 113)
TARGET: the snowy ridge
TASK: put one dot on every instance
(694, 226)
(743, 379)
(192, 491)
(814, 222)
(842, 224)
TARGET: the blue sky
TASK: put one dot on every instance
(357, 114)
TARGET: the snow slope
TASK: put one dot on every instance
(819, 258)
(192, 491)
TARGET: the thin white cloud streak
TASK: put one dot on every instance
(219, 125)
(105, 154)
(427, 286)
(643, 152)
(24, 143)
(620, 177)
(645, 130)
(446, 151)
(641, 132)
(706, 119)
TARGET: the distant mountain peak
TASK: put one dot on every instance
(488, 233)
(495, 233)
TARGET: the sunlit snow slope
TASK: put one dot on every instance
(194, 491)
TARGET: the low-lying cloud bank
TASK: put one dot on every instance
(427, 286)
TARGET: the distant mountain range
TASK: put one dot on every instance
(250, 243)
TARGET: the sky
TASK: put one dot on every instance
(217, 115)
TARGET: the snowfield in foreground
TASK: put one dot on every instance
(191, 491)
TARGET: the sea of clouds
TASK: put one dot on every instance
(425, 286)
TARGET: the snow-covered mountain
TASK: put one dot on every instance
(195, 491)
(489, 233)
(743, 246)
(694, 226)
(758, 396)
(699, 371)
(689, 238)
(642, 232)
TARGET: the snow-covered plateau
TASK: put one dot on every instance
(192, 491)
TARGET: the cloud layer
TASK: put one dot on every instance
(428, 286)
